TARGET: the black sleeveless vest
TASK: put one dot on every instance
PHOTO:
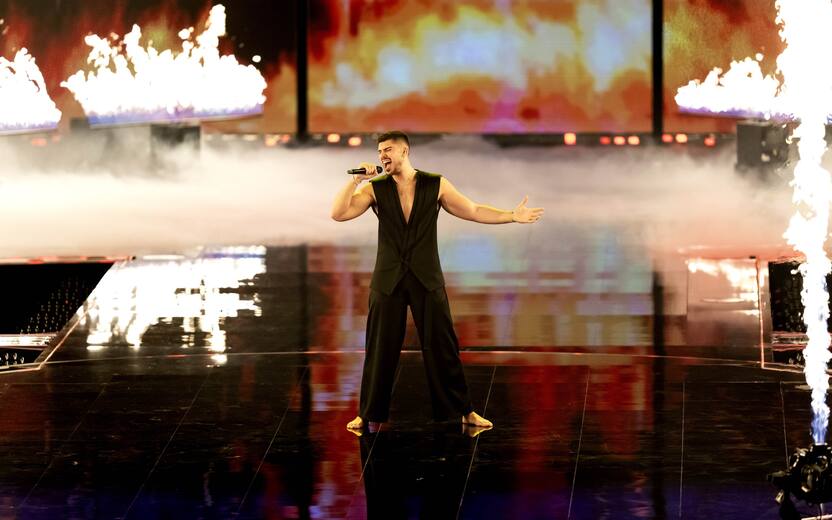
(407, 246)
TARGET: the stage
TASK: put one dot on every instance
(219, 384)
(186, 268)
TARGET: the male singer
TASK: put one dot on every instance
(407, 273)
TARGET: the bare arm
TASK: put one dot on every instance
(461, 206)
(351, 200)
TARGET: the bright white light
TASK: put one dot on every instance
(143, 84)
(741, 91)
(807, 88)
(741, 276)
(159, 258)
(191, 292)
(25, 340)
(24, 102)
(805, 96)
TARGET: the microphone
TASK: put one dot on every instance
(360, 171)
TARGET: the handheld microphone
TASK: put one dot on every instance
(361, 171)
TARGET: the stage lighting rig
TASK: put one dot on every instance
(808, 478)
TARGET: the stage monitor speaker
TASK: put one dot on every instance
(762, 146)
(170, 136)
(788, 336)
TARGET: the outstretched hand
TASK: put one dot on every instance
(525, 215)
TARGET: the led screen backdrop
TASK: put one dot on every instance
(702, 34)
(501, 66)
(54, 30)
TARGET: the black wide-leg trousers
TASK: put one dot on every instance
(440, 350)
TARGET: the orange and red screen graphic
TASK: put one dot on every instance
(480, 66)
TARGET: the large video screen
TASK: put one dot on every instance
(480, 66)
(260, 36)
(702, 34)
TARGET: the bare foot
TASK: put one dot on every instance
(355, 424)
(475, 419)
(473, 431)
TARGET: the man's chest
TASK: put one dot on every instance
(406, 196)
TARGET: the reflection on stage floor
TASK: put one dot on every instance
(218, 385)
(315, 298)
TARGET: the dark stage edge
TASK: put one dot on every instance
(224, 409)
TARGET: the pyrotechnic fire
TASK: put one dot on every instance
(741, 91)
(804, 96)
(806, 89)
(699, 35)
(24, 102)
(131, 83)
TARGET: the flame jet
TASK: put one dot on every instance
(25, 104)
(803, 95)
(131, 84)
(806, 88)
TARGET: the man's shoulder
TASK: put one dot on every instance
(430, 175)
(435, 177)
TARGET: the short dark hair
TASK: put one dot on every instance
(395, 135)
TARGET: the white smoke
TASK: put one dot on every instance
(667, 199)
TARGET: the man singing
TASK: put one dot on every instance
(408, 273)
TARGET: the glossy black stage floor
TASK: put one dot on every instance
(219, 385)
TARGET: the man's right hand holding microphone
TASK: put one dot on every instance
(370, 171)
